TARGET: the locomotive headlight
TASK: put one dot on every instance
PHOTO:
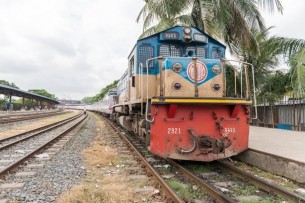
(187, 30)
(187, 38)
(216, 87)
(177, 67)
(216, 69)
(177, 86)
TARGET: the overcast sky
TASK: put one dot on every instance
(73, 48)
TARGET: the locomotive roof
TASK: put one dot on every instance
(176, 27)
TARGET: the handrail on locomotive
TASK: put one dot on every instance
(243, 65)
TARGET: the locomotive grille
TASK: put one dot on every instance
(146, 52)
(164, 51)
(175, 51)
(201, 52)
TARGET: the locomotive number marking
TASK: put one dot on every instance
(230, 130)
(173, 131)
(171, 35)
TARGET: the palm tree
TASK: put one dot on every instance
(228, 20)
(167, 12)
(297, 72)
(272, 49)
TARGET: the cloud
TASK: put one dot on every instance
(71, 48)
(74, 48)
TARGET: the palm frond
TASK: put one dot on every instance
(270, 5)
(297, 72)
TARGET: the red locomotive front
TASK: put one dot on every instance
(211, 130)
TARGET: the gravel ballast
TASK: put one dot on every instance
(65, 169)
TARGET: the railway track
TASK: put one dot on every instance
(23, 117)
(26, 146)
(244, 186)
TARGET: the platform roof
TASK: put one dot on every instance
(21, 93)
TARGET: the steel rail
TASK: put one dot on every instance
(24, 113)
(211, 189)
(36, 129)
(58, 124)
(264, 185)
(24, 118)
(169, 192)
(4, 171)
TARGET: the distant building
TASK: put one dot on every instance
(69, 102)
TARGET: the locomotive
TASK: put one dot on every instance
(174, 95)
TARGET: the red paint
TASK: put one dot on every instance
(169, 136)
(235, 111)
(172, 110)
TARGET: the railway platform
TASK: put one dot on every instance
(281, 152)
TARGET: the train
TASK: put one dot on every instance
(179, 97)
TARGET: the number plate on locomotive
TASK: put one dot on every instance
(170, 35)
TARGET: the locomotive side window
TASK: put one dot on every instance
(216, 53)
(131, 65)
(146, 52)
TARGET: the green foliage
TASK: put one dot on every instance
(43, 92)
(87, 100)
(297, 72)
(101, 94)
(186, 192)
(4, 82)
(103, 91)
(276, 85)
(269, 84)
(244, 190)
(223, 19)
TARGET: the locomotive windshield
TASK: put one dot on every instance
(173, 50)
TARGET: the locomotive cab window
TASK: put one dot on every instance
(195, 50)
(170, 50)
(216, 53)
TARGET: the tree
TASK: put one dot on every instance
(87, 100)
(43, 92)
(272, 49)
(276, 86)
(101, 94)
(228, 20)
(297, 72)
(4, 82)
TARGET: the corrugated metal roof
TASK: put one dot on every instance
(21, 93)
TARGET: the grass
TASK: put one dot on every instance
(186, 192)
(98, 188)
(265, 201)
(244, 190)
(164, 170)
(200, 168)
